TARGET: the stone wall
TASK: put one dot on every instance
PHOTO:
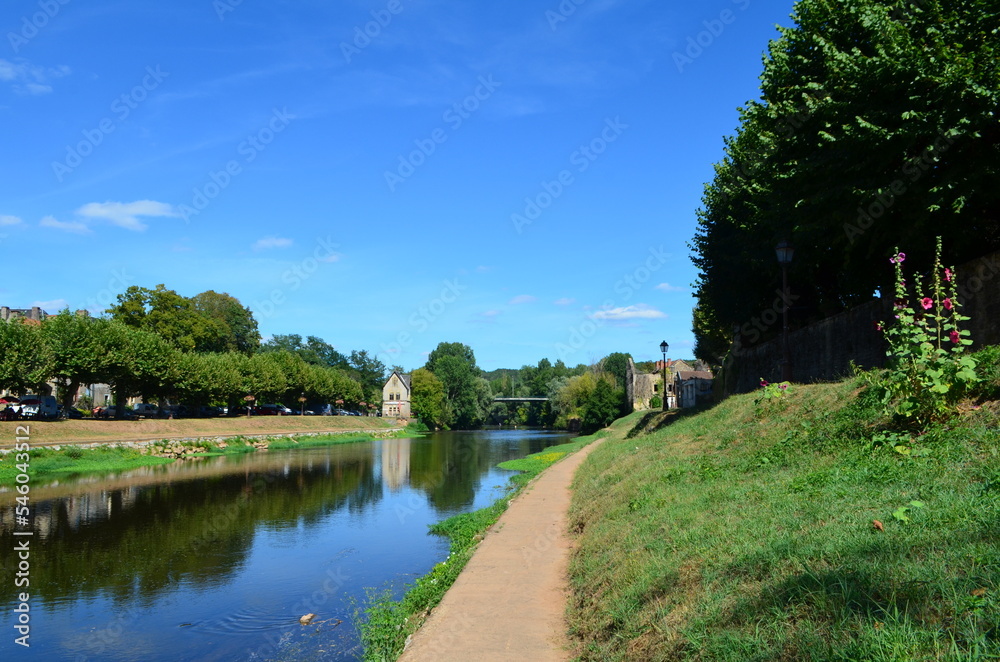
(824, 350)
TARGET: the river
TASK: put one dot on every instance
(217, 558)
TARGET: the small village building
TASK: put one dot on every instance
(694, 387)
(396, 396)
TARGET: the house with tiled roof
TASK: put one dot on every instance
(396, 396)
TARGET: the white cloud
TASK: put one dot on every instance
(27, 78)
(667, 287)
(639, 311)
(565, 301)
(267, 243)
(522, 298)
(126, 214)
(51, 306)
(9, 220)
(75, 227)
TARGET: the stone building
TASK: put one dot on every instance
(641, 387)
(34, 314)
(693, 387)
(396, 396)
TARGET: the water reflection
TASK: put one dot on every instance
(204, 542)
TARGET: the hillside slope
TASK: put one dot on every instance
(790, 529)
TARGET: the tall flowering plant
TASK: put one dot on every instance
(929, 370)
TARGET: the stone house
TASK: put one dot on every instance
(693, 387)
(641, 387)
(396, 396)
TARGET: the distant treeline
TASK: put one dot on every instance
(160, 345)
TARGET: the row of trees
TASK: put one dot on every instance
(74, 350)
(450, 391)
(876, 128)
(204, 349)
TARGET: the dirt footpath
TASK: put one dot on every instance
(509, 601)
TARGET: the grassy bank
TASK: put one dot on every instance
(70, 460)
(386, 623)
(793, 529)
(45, 462)
(80, 431)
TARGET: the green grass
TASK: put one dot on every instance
(45, 462)
(385, 622)
(746, 532)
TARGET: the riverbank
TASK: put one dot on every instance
(799, 527)
(109, 457)
(386, 624)
(48, 433)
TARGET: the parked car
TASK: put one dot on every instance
(208, 411)
(177, 411)
(112, 412)
(146, 410)
(72, 413)
(39, 406)
(274, 409)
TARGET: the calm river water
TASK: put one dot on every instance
(216, 559)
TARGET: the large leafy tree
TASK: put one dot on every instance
(78, 346)
(235, 326)
(876, 127)
(26, 362)
(428, 398)
(207, 322)
(313, 350)
(139, 362)
(455, 365)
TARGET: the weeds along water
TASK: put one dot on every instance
(800, 528)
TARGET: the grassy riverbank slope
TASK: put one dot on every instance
(86, 431)
(793, 529)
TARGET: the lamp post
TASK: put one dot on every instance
(663, 348)
(784, 251)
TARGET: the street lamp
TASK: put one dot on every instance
(663, 348)
(784, 251)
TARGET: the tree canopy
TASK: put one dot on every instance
(876, 127)
(208, 322)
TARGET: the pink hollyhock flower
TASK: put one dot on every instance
(763, 382)
(954, 337)
(878, 326)
(783, 386)
(947, 304)
(901, 257)
(927, 303)
(947, 274)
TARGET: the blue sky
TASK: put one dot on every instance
(521, 177)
